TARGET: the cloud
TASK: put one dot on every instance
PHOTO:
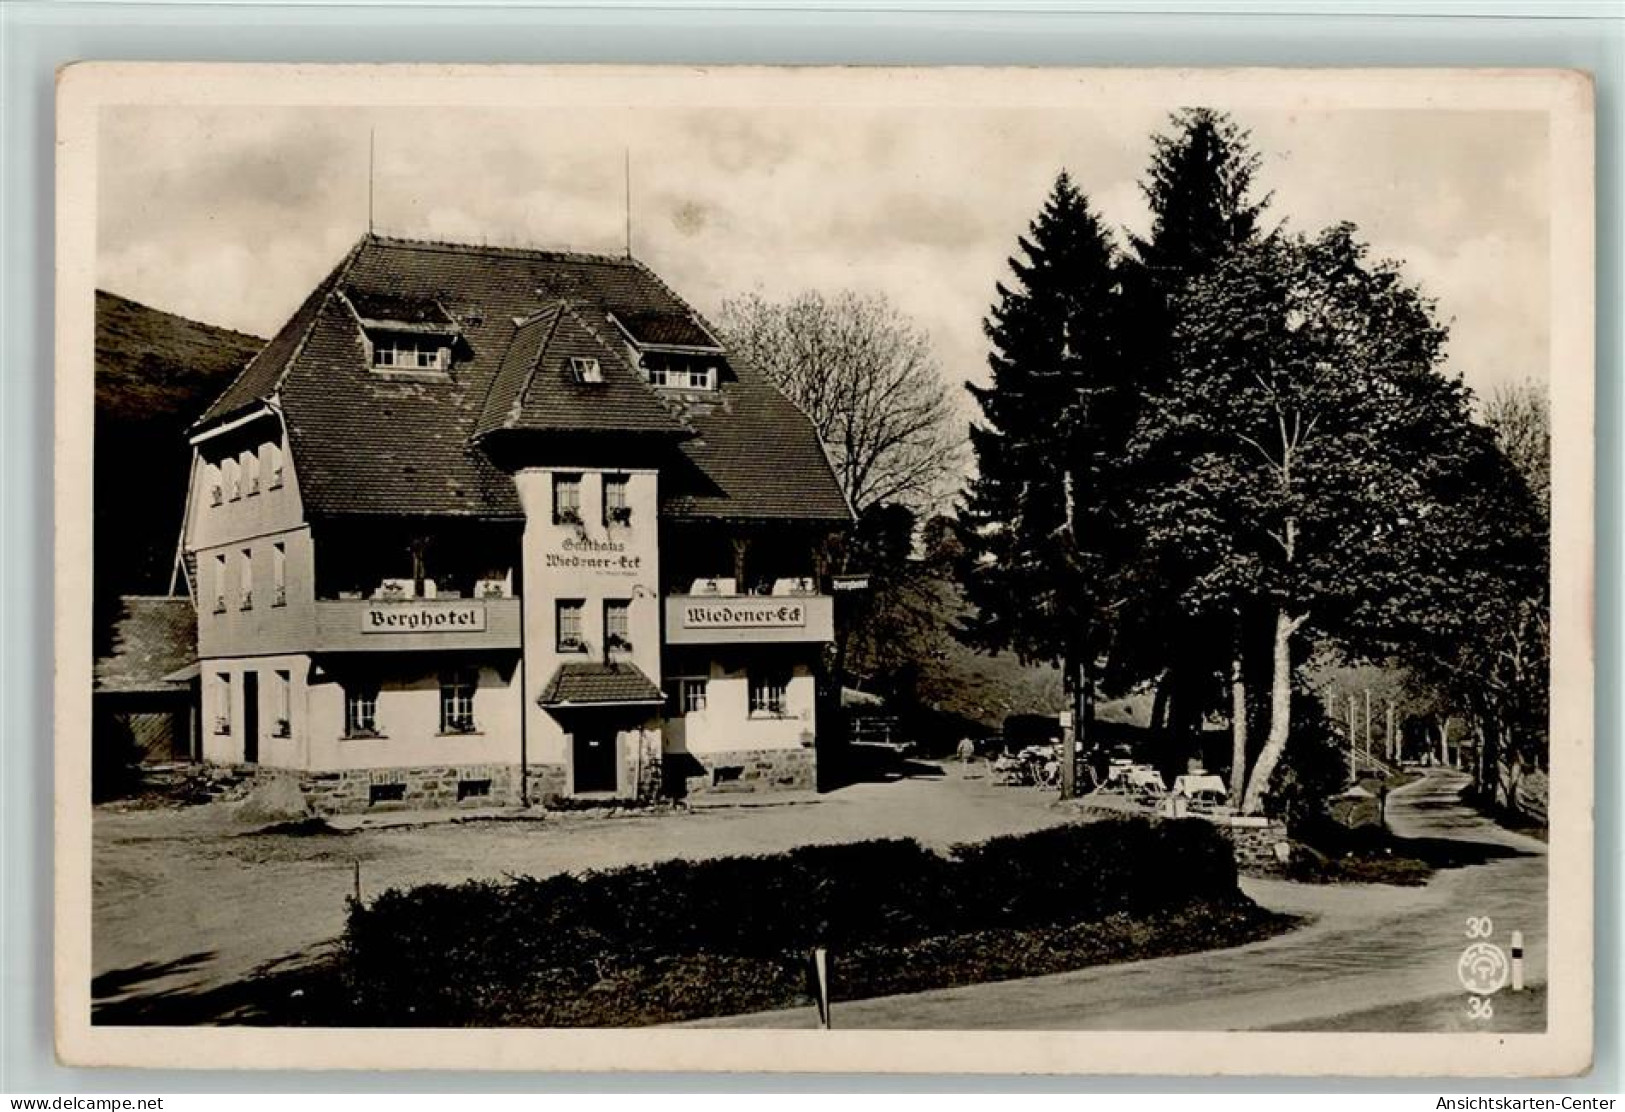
(230, 215)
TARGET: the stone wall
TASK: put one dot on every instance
(1253, 840)
(397, 789)
(471, 786)
(750, 770)
(546, 783)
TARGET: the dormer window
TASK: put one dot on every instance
(400, 352)
(586, 369)
(677, 373)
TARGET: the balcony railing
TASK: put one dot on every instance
(708, 619)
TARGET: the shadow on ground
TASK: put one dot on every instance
(299, 989)
(861, 763)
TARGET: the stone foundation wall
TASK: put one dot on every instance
(751, 770)
(546, 783)
(380, 789)
(471, 786)
(1253, 840)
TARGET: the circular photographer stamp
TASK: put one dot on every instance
(1483, 968)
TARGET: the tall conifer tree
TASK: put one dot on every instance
(1199, 188)
(1037, 526)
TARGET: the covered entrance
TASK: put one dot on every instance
(606, 710)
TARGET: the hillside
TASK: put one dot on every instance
(155, 373)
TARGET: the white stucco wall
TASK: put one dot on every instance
(408, 717)
(726, 724)
(275, 751)
(591, 562)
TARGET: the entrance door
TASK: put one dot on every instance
(251, 717)
(594, 760)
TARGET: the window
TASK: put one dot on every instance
(617, 625)
(585, 369)
(767, 693)
(245, 568)
(360, 710)
(234, 479)
(617, 510)
(567, 499)
(222, 703)
(386, 793)
(279, 574)
(680, 376)
(251, 469)
(457, 701)
(220, 584)
(569, 626)
(276, 466)
(691, 693)
(410, 353)
(212, 480)
(283, 682)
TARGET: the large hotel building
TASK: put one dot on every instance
(502, 525)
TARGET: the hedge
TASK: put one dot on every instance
(479, 951)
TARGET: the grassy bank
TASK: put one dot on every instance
(1329, 853)
(683, 940)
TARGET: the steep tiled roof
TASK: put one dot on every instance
(263, 375)
(370, 443)
(152, 638)
(671, 329)
(398, 310)
(584, 684)
(537, 390)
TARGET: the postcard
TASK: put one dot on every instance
(825, 569)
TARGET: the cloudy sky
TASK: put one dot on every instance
(231, 215)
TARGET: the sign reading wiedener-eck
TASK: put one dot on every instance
(406, 617)
(734, 614)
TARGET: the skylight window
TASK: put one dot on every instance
(586, 369)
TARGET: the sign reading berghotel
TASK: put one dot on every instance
(743, 614)
(410, 617)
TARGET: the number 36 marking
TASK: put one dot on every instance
(1479, 1007)
(1479, 926)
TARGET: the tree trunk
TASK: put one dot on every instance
(1280, 713)
(1238, 722)
(1075, 681)
(1159, 706)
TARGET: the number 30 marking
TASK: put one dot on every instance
(1479, 1007)
(1480, 927)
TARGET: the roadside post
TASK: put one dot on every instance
(1517, 961)
(1069, 755)
(821, 976)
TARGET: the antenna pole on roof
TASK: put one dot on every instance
(372, 139)
(629, 202)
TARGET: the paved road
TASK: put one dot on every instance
(1371, 949)
(190, 904)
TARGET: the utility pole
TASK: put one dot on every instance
(1354, 771)
(1368, 725)
(1388, 736)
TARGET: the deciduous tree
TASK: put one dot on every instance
(866, 377)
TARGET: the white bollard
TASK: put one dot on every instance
(1517, 961)
(821, 968)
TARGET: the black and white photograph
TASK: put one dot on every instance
(888, 569)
